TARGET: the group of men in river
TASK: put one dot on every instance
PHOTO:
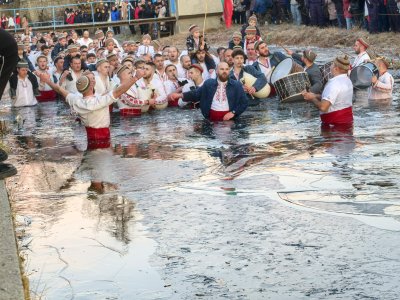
(92, 75)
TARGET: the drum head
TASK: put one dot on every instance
(282, 69)
(361, 76)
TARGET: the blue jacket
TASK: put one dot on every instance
(115, 15)
(275, 58)
(234, 91)
(259, 83)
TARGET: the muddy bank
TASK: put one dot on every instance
(286, 34)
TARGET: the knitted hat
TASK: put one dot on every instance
(146, 36)
(385, 60)
(82, 84)
(237, 47)
(23, 64)
(310, 55)
(251, 30)
(108, 41)
(342, 62)
(253, 17)
(73, 47)
(120, 69)
(109, 31)
(258, 43)
(193, 28)
(131, 43)
(363, 42)
(237, 52)
(99, 33)
(198, 67)
(111, 55)
(169, 65)
(100, 62)
(128, 58)
(237, 34)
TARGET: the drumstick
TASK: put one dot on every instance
(349, 55)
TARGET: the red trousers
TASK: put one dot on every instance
(47, 96)
(339, 117)
(98, 138)
(217, 115)
(130, 112)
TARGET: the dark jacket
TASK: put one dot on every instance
(314, 74)
(67, 62)
(259, 83)
(191, 45)
(57, 49)
(234, 91)
(231, 45)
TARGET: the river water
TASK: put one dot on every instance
(268, 207)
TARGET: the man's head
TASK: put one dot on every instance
(22, 69)
(238, 58)
(129, 62)
(42, 62)
(171, 72)
(85, 84)
(341, 65)
(113, 60)
(383, 64)
(62, 40)
(99, 53)
(236, 38)
(76, 64)
(360, 46)
(149, 69)
(228, 57)
(91, 58)
(84, 51)
(173, 54)
(85, 34)
(59, 63)
(159, 62)
(262, 49)
(73, 50)
(223, 71)
(109, 44)
(124, 73)
(195, 72)
(103, 67)
(308, 57)
(185, 61)
(201, 56)
(45, 50)
(251, 51)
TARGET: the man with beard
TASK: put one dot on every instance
(69, 77)
(228, 57)
(160, 68)
(221, 99)
(266, 60)
(204, 59)
(149, 81)
(183, 67)
(196, 81)
(173, 56)
(360, 48)
(251, 54)
(173, 84)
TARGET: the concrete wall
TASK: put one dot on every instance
(192, 12)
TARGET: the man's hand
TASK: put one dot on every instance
(374, 79)
(175, 96)
(252, 90)
(64, 75)
(308, 96)
(228, 116)
(139, 73)
(44, 77)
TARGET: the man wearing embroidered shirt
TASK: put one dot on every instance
(92, 109)
(221, 99)
(382, 87)
(335, 103)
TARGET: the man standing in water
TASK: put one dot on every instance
(221, 99)
(360, 48)
(335, 103)
(93, 109)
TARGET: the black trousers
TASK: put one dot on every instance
(8, 58)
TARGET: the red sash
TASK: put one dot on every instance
(343, 116)
(173, 103)
(217, 115)
(110, 108)
(130, 112)
(272, 93)
(47, 96)
(98, 138)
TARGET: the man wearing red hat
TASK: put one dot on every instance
(360, 48)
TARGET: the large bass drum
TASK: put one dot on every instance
(361, 76)
(284, 68)
(326, 72)
(248, 80)
(289, 88)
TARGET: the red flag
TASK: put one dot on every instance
(228, 12)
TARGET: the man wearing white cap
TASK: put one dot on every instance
(93, 109)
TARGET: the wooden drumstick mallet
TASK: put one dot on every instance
(242, 81)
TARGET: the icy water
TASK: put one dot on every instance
(268, 207)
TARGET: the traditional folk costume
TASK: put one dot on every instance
(46, 92)
(382, 89)
(157, 86)
(172, 86)
(24, 92)
(70, 85)
(339, 92)
(190, 86)
(133, 102)
(218, 98)
(94, 114)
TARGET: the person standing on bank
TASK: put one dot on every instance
(221, 99)
(335, 103)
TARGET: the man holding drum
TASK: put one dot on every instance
(312, 70)
(360, 48)
(382, 87)
(266, 60)
(335, 103)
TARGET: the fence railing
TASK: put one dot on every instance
(55, 16)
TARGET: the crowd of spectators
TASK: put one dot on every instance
(372, 15)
